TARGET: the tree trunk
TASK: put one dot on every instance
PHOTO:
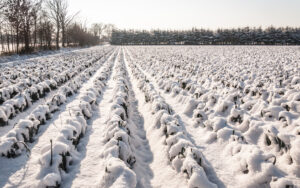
(35, 35)
(12, 39)
(26, 37)
(7, 40)
(17, 32)
(57, 38)
(63, 34)
(2, 45)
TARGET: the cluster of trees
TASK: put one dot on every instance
(28, 25)
(103, 31)
(240, 36)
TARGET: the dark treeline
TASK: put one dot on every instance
(240, 36)
(30, 25)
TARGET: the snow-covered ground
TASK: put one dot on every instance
(152, 116)
(4, 60)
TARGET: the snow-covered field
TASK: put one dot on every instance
(152, 116)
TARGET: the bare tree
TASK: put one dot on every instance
(27, 23)
(1, 22)
(98, 29)
(79, 35)
(45, 30)
(65, 19)
(109, 30)
(55, 9)
(13, 15)
(35, 11)
(27, 11)
(60, 15)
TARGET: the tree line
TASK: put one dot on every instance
(239, 36)
(30, 25)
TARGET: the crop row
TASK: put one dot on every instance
(58, 156)
(119, 138)
(14, 80)
(12, 143)
(239, 116)
(183, 155)
(24, 99)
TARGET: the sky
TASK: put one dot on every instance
(185, 14)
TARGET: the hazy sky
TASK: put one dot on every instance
(185, 14)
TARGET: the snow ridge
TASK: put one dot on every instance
(184, 156)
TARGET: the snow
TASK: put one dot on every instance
(178, 147)
(295, 156)
(3, 117)
(134, 116)
(117, 174)
(234, 115)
